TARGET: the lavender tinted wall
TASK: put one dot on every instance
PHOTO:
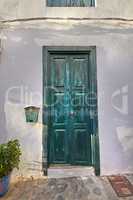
(21, 67)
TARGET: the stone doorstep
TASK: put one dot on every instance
(67, 171)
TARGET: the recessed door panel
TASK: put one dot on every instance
(81, 144)
(59, 144)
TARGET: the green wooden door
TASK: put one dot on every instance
(69, 125)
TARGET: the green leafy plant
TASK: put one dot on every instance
(9, 157)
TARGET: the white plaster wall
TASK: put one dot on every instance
(37, 8)
(21, 67)
(21, 85)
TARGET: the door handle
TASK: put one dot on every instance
(72, 113)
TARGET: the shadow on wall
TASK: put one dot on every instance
(117, 128)
(3, 130)
(124, 124)
(29, 135)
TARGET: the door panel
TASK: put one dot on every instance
(58, 70)
(81, 153)
(58, 118)
(79, 69)
(59, 143)
(81, 146)
(69, 131)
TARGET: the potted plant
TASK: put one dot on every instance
(9, 159)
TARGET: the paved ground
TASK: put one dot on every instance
(82, 188)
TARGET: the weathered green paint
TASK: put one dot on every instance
(72, 130)
(71, 3)
(70, 133)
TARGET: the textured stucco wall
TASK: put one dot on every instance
(21, 67)
(21, 81)
(37, 8)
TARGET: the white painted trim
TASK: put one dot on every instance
(96, 5)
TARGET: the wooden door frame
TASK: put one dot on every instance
(46, 51)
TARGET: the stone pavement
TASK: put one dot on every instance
(80, 188)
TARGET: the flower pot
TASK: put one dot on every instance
(4, 185)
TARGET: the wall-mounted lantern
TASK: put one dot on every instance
(31, 113)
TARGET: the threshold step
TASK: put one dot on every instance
(70, 171)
